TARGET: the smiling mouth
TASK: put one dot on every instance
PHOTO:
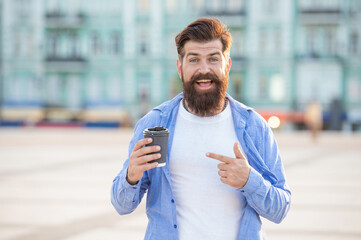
(204, 83)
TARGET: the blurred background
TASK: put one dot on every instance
(76, 75)
(94, 63)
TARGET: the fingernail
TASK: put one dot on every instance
(207, 154)
(149, 140)
(157, 148)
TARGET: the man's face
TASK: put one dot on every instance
(204, 72)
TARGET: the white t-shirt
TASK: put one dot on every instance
(206, 207)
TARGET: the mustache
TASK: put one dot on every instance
(201, 76)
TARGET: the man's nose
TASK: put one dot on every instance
(204, 67)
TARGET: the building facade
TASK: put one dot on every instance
(74, 56)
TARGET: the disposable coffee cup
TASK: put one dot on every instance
(160, 138)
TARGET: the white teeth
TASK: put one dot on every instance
(203, 81)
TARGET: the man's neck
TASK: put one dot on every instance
(214, 112)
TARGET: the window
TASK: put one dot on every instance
(311, 41)
(270, 41)
(330, 41)
(115, 43)
(237, 45)
(271, 85)
(277, 41)
(277, 88)
(16, 44)
(113, 89)
(95, 89)
(30, 49)
(53, 92)
(143, 44)
(237, 87)
(52, 44)
(73, 89)
(144, 93)
(73, 40)
(143, 47)
(96, 44)
(354, 44)
(354, 89)
(16, 90)
(263, 86)
(262, 42)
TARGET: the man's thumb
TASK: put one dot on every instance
(237, 151)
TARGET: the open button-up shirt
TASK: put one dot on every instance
(266, 191)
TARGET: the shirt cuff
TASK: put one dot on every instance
(254, 182)
(129, 186)
(131, 190)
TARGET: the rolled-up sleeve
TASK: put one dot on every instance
(125, 197)
(266, 190)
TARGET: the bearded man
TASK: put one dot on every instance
(223, 168)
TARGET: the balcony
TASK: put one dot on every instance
(229, 15)
(322, 14)
(59, 19)
(225, 12)
(65, 59)
(65, 64)
(317, 55)
(225, 8)
(320, 6)
(320, 10)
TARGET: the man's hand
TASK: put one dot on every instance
(139, 160)
(233, 171)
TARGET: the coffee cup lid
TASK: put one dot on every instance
(156, 131)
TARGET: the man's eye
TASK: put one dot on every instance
(213, 59)
(193, 60)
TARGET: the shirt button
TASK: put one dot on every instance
(172, 200)
(175, 226)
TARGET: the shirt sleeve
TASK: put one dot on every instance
(266, 190)
(125, 197)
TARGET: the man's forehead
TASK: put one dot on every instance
(203, 47)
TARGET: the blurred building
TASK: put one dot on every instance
(328, 56)
(74, 58)
(87, 61)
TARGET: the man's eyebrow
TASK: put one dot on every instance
(197, 54)
(215, 53)
(192, 54)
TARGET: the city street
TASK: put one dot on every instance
(55, 185)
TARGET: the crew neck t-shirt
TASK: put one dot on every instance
(206, 207)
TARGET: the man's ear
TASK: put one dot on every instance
(179, 68)
(229, 64)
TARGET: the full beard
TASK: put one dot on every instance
(205, 103)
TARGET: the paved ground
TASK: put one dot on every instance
(55, 185)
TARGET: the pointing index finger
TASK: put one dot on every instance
(219, 157)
